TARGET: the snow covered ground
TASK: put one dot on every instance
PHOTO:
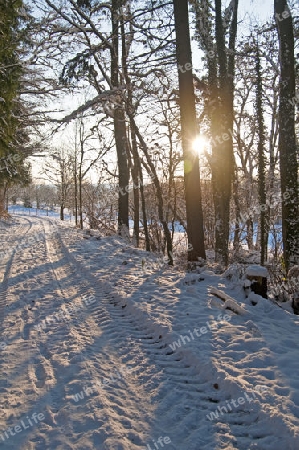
(103, 347)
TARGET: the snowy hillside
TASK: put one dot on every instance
(104, 348)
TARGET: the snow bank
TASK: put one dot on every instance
(257, 271)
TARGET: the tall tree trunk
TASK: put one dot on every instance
(249, 235)
(120, 132)
(2, 201)
(221, 69)
(287, 137)
(80, 178)
(80, 198)
(263, 236)
(137, 174)
(237, 231)
(125, 46)
(189, 130)
(222, 129)
(76, 182)
(76, 198)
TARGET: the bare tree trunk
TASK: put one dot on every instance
(222, 127)
(120, 133)
(249, 237)
(221, 69)
(137, 174)
(80, 201)
(125, 46)
(264, 221)
(80, 177)
(287, 137)
(76, 198)
(2, 200)
(237, 231)
(189, 130)
(273, 135)
(76, 184)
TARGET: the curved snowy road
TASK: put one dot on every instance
(83, 367)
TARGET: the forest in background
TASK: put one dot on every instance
(110, 98)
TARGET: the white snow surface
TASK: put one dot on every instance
(257, 271)
(141, 355)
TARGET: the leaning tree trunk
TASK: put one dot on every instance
(139, 190)
(159, 193)
(189, 129)
(136, 195)
(287, 137)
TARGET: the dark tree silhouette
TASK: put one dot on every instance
(287, 137)
(189, 131)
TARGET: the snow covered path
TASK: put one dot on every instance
(98, 353)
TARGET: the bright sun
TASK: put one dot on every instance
(200, 144)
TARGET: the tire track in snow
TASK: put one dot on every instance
(57, 413)
(15, 360)
(47, 372)
(6, 269)
(30, 371)
(201, 398)
(145, 348)
(99, 318)
(146, 377)
(7, 263)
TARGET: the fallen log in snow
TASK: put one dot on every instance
(229, 302)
